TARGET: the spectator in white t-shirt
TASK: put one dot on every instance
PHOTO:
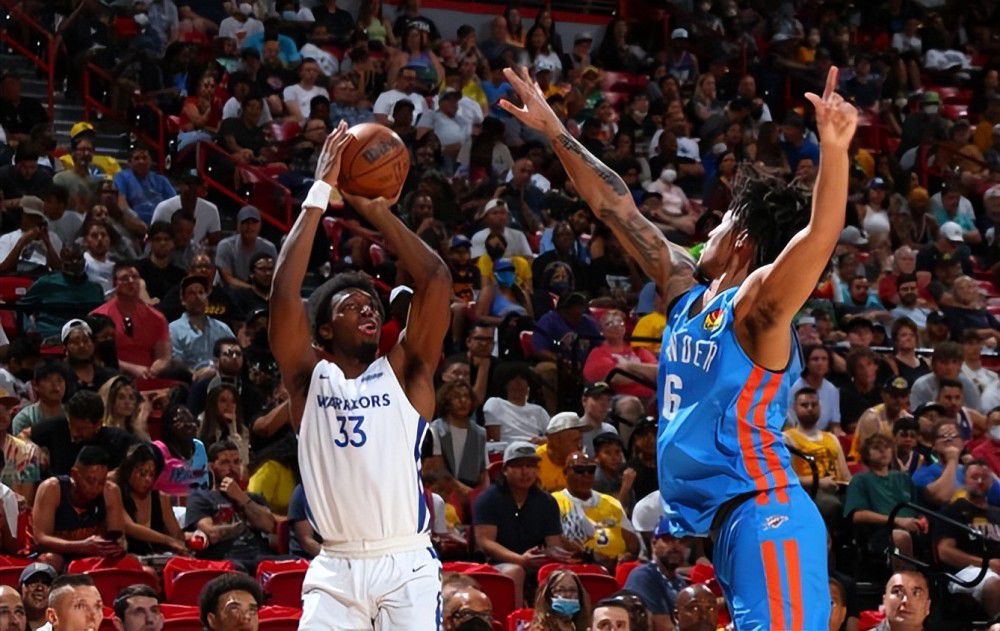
(406, 81)
(240, 87)
(298, 96)
(511, 417)
(496, 217)
(449, 124)
(206, 214)
(241, 24)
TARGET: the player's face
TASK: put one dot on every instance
(906, 600)
(807, 410)
(670, 551)
(906, 439)
(819, 362)
(355, 322)
(142, 477)
(80, 610)
(236, 611)
(611, 619)
(880, 455)
(718, 249)
(89, 480)
(460, 403)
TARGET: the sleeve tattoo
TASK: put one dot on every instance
(600, 169)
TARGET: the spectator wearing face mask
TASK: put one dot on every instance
(562, 603)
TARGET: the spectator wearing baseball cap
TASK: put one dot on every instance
(107, 165)
(657, 582)
(233, 254)
(466, 279)
(949, 245)
(949, 206)
(879, 419)
(84, 372)
(563, 437)
(516, 523)
(33, 248)
(34, 583)
(596, 401)
(188, 201)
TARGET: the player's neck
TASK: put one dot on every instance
(734, 274)
(352, 367)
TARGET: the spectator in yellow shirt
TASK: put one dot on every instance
(564, 435)
(107, 165)
(595, 521)
(274, 476)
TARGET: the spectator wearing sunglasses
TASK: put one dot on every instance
(142, 337)
(595, 521)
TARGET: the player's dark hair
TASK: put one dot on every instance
(447, 390)
(949, 383)
(160, 227)
(208, 602)
(92, 456)
(770, 210)
(319, 302)
(906, 278)
(85, 405)
(139, 589)
(120, 265)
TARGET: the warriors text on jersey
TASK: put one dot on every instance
(359, 453)
(721, 416)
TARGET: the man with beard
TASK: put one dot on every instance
(34, 584)
(959, 553)
(831, 465)
(254, 296)
(658, 581)
(375, 519)
(220, 304)
(157, 268)
(193, 335)
(235, 253)
(67, 288)
(85, 373)
(906, 286)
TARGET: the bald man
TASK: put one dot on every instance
(468, 609)
(697, 609)
(74, 604)
(12, 616)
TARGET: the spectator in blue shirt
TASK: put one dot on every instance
(658, 582)
(194, 334)
(556, 330)
(139, 187)
(303, 540)
(938, 482)
(288, 51)
(795, 145)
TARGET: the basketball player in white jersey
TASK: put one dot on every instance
(361, 420)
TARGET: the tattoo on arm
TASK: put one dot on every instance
(600, 169)
(638, 234)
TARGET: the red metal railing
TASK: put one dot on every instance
(46, 42)
(155, 139)
(251, 184)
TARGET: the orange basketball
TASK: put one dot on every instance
(374, 163)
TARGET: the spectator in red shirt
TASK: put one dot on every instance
(989, 450)
(141, 334)
(616, 352)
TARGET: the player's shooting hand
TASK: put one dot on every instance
(370, 207)
(328, 165)
(535, 111)
(836, 119)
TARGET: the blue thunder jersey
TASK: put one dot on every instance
(721, 416)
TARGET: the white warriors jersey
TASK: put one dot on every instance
(359, 453)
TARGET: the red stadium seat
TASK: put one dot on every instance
(520, 619)
(186, 586)
(183, 624)
(580, 568)
(598, 585)
(177, 565)
(526, 338)
(279, 624)
(271, 566)
(112, 580)
(10, 575)
(845, 442)
(624, 569)
(284, 588)
(171, 612)
(468, 567)
(494, 469)
(500, 590)
(89, 564)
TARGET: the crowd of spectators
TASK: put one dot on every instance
(139, 397)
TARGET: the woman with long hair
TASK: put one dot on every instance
(545, 20)
(415, 51)
(274, 473)
(486, 156)
(223, 419)
(465, 458)
(719, 190)
(122, 407)
(150, 525)
(704, 102)
(769, 157)
(375, 27)
(873, 211)
(538, 53)
(562, 604)
(185, 467)
(515, 26)
(818, 361)
(905, 340)
(615, 53)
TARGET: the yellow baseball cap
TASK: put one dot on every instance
(79, 128)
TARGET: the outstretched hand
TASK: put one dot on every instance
(535, 111)
(836, 119)
(328, 165)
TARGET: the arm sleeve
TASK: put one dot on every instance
(490, 412)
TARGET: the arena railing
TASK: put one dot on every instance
(156, 139)
(44, 52)
(250, 184)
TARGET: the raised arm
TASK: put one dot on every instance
(772, 295)
(603, 190)
(288, 330)
(415, 358)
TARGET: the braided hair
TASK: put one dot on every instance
(770, 209)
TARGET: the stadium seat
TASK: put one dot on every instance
(271, 566)
(581, 568)
(279, 624)
(182, 624)
(494, 469)
(284, 588)
(186, 586)
(468, 567)
(526, 338)
(89, 564)
(177, 565)
(500, 590)
(624, 569)
(598, 585)
(10, 575)
(520, 619)
(170, 611)
(112, 580)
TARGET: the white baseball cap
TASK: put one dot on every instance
(563, 421)
(952, 232)
(75, 323)
(851, 235)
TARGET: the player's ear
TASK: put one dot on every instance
(325, 331)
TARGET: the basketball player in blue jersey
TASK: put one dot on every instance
(361, 420)
(727, 360)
